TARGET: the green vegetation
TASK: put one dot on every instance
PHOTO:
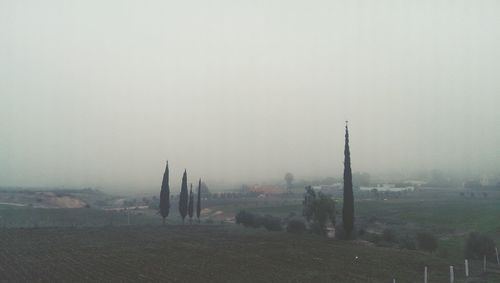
(426, 242)
(183, 197)
(479, 245)
(247, 219)
(191, 204)
(318, 210)
(165, 195)
(185, 253)
(198, 202)
(348, 206)
(390, 223)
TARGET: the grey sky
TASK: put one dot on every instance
(100, 93)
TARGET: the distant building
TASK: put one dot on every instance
(267, 190)
(388, 188)
(328, 189)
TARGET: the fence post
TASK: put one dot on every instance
(393, 280)
(466, 268)
(484, 263)
(425, 274)
(452, 275)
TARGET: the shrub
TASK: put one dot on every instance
(426, 241)
(388, 235)
(478, 245)
(296, 226)
(246, 219)
(407, 243)
(271, 223)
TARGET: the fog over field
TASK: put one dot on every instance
(101, 93)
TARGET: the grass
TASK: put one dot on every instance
(143, 252)
(445, 214)
(177, 253)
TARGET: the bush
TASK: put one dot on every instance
(426, 241)
(247, 219)
(478, 245)
(296, 226)
(407, 243)
(271, 223)
(388, 235)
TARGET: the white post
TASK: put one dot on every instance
(452, 275)
(425, 274)
(466, 268)
(393, 280)
(484, 263)
(498, 261)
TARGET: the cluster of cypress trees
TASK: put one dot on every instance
(186, 201)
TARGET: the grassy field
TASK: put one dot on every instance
(91, 244)
(214, 253)
(443, 213)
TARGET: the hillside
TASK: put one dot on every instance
(212, 252)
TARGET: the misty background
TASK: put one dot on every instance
(101, 93)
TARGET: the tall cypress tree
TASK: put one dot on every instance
(191, 204)
(165, 195)
(183, 197)
(348, 207)
(198, 203)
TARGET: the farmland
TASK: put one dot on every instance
(177, 253)
(130, 245)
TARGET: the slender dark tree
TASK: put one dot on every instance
(198, 203)
(183, 197)
(348, 207)
(165, 195)
(191, 204)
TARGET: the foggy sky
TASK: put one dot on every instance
(101, 93)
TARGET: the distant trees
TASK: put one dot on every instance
(318, 209)
(198, 203)
(191, 204)
(165, 195)
(348, 206)
(183, 197)
(289, 179)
